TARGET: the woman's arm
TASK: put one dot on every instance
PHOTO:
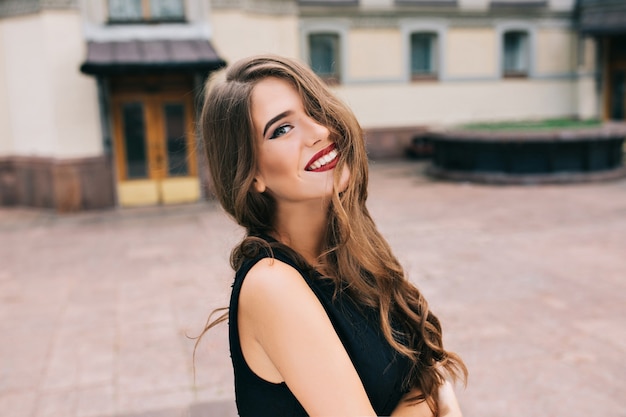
(448, 404)
(284, 322)
(407, 408)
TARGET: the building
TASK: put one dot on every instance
(98, 97)
(97, 101)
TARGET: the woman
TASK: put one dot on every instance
(322, 320)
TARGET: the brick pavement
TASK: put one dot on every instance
(529, 282)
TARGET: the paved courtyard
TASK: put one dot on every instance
(529, 281)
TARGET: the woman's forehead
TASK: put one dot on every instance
(272, 88)
(272, 96)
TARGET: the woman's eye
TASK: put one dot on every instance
(281, 130)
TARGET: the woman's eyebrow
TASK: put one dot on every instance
(274, 119)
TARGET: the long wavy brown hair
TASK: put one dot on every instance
(354, 255)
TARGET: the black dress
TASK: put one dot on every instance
(381, 369)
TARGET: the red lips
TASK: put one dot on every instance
(318, 155)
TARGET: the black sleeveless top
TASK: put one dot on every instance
(381, 369)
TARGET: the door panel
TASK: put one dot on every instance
(176, 139)
(618, 99)
(134, 140)
(615, 90)
(138, 193)
(180, 190)
(154, 147)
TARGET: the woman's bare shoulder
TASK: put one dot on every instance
(273, 281)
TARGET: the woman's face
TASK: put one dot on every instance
(296, 156)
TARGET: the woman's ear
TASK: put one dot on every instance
(259, 184)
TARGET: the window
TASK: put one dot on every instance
(142, 10)
(429, 3)
(328, 2)
(324, 56)
(518, 4)
(423, 55)
(423, 41)
(516, 54)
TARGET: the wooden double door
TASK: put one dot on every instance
(155, 148)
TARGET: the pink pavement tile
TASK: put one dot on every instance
(19, 352)
(96, 367)
(61, 377)
(137, 336)
(152, 311)
(536, 387)
(96, 401)
(149, 370)
(152, 402)
(19, 379)
(57, 403)
(222, 408)
(17, 403)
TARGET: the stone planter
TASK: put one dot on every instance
(542, 156)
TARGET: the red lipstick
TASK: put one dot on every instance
(323, 152)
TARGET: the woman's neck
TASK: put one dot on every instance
(302, 226)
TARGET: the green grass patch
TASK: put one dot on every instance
(533, 125)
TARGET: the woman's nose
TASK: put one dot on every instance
(317, 132)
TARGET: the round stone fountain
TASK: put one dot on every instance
(510, 156)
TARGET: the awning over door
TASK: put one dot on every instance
(598, 17)
(150, 56)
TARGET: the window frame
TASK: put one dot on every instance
(529, 29)
(334, 77)
(338, 27)
(517, 4)
(436, 27)
(146, 16)
(328, 3)
(428, 3)
(433, 73)
(525, 50)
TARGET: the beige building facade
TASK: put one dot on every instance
(98, 98)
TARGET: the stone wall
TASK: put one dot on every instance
(63, 185)
(390, 143)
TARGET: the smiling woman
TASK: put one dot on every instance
(322, 319)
